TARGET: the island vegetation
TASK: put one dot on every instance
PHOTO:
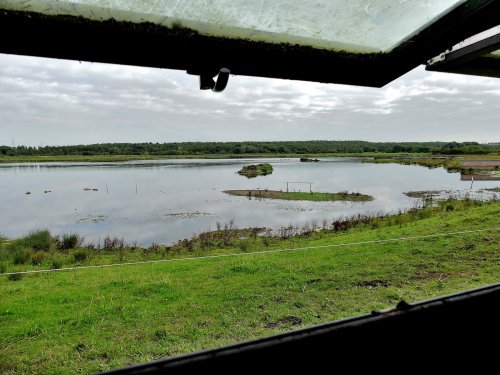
(111, 317)
(301, 196)
(252, 170)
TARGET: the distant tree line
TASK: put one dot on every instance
(285, 147)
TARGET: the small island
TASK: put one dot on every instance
(302, 196)
(308, 160)
(251, 171)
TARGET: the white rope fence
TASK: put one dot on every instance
(410, 238)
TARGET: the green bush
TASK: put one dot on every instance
(425, 213)
(244, 246)
(266, 241)
(38, 258)
(80, 255)
(21, 255)
(39, 241)
(3, 267)
(4, 253)
(70, 241)
(56, 263)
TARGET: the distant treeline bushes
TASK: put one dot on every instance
(286, 147)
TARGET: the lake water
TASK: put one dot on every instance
(167, 200)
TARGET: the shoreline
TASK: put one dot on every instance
(42, 249)
(123, 158)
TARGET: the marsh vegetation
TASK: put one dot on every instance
(42, 250)
(343, 196)
(170, 308)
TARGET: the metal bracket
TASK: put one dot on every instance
(207, 81)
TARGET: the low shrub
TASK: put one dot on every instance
(80, 255)
(113, 243)
(91, 247)
(38, 258)
(266, 241)
(56, 263)
(3, 267)
(21, 255)
(4, 253)
(244, 246)
(70, 241)
(155, 247)
(39, 241)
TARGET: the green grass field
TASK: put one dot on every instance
(91, 320)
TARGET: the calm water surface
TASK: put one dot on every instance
(164, 201)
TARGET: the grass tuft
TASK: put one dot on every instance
(70, 241)
(21, 255)
(56, 263)
(80, 255)
(14, 277)
(38, 258)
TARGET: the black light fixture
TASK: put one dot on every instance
(207, 81)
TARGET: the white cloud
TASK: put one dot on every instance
(45, 101)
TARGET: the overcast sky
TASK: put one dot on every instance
(56, 102)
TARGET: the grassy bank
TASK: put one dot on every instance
(122, 158)
(301, 196)
(95, 319)
(452, 163)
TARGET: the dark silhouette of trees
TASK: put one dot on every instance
(242, 148)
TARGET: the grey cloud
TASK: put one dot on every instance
(45, 101)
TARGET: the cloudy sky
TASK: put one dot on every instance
(55, 102)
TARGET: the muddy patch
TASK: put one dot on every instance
(429, 195)
(425, 274)
(313, 281)
(287, 320)
(372, 283)
(425, 194)
(186, 215)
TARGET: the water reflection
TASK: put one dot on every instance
(163, 201)
(480, 177)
